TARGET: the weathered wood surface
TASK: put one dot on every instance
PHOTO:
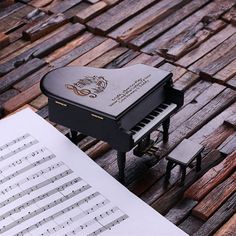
(146, 19)
(188, 38)
(44, 48)
(90, 12)
(21, 72)
(228, 229)
(180, 211)
(118, 13)
(215, 198)
(44, 27)
(191, 225)
(212, 125)
(186, 31)
(219, 218)
(21, 99)
(94, 53)
(212, 178)
(206, 47)
(169, 21)
(229, 145)
(4, 40)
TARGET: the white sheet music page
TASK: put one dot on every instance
(48, 186)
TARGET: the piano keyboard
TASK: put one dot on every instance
(151, 120)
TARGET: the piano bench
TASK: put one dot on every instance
(186, 152)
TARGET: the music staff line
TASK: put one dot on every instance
(14, 141)
(38, 198)
(59, 213)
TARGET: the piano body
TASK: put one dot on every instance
(119, 106)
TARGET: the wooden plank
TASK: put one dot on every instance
(70, 13)
(180, 211)
(229, 228)
(212, 125)
(11, 9)
(4, 40)
(230, 16)
(218, 52)
(43, 48)
(148, 18)
(213, 108)
(147, 60)
(78, 51)
(87, 143)
(85, 37)
(215, 198)
(94, 53)
(15, 19)
(216, 26)
(98, 150)
(226, 73)
(219, 218)
(118, 14)
(40, 3)
(123, 59)
(32, 79)
(184, 42)
(232, 82)
(108, 57)
(8, 95)
(34, 18)
(20, 73)
(229, 145)
(44, 27)
(39, 102)
(191, 225)
(217, 137)
(211, 12)
(206, 47)
(90, 12)
(193, 92)
(20, 46)
(164, 203)
(43, 112)
(169, 21)
(199, 102)
(214, 66)
(112, 2)
(62, 6)
(186, 81)
(212, 178)
(175, 70)
(21, 99)
(231, 121)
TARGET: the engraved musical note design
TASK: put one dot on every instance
(90, 85)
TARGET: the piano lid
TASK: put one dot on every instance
(108, 91)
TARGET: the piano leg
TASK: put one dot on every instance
(166, 125)
(121, 159)
(73, 136)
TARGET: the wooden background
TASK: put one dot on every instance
(195, 40)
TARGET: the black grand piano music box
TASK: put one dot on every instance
(119, 106)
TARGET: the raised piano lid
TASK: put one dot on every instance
(107, 91)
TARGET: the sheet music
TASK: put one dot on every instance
(50, 187)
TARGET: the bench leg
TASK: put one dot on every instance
(199, 160)
(121, 158)
(183, 170)
(168, 170)
(166, 125)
